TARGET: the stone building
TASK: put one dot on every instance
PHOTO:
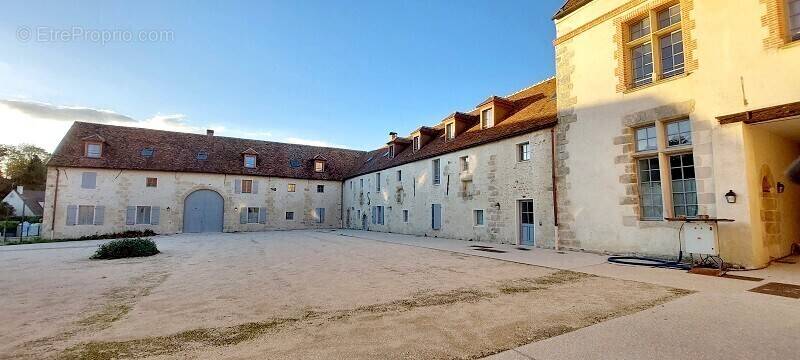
(666, 106)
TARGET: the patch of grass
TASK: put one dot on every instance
(125, 248)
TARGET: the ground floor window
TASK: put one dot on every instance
(650, 189)
(142, 215)
(252, 215)
(478, 217)
(290, 215)
(377, 215)
(405, 216)
(85, 215)
(684, 187)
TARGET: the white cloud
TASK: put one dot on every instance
(44, 124)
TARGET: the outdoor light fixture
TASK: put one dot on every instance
(730, 197)
(780, 187)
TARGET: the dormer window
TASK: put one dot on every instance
(148, 152)
(250, 161)
(319, 166)
(416, 143)
(202, 155)
(390, 153)
(449, 131)
(93, 149)
(487, 118)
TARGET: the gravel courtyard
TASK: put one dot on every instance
(292, 294)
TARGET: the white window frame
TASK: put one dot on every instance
(450, 130)
(251, 210)
(250, 161)
(319, 166)
(475, 221)
(487, 118)
(78, 217)
(464, 163)
(524, 151)
(94, 154)
(416, 144)
(436, 171)
(143, 211)
(646, 129)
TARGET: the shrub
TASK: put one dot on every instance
(125, 248)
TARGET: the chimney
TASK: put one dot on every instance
(19, 189)
(210, 132)
(392, 136)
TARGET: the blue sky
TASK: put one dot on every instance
(342, 73)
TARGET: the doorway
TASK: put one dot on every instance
(203, 212)
(527, 229)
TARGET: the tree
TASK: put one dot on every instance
(6, 210)
(24, 165)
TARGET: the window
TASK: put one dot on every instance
(89, 180)
(250, 161)
(679, 133)
(143, 215)
(436, 216)
(291, 187)
(320, 212)
(478, 217)
(361, 183)
(151, 182)
(294, 164)
(464, 163)
(437, 177)
(639, 29)
(202, 155)
(148, 152)
(399, 175)
(405, 216)
(390, 153)
(487, 118)
(378, 182)
(684, 188)
(94, 150)
(650, 189)
(252, 215)
(247, 186)
(377, 215)
(290, 215)
(646, 138)
(319, 165)
(672, 54)
(449, 131)
(416, 143)
(524, 151)
(642, 57)
(320, 188)
(665, 43)
(85, 215)
(793, 10)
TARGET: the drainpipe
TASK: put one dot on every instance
(55, 206)
(555, 187)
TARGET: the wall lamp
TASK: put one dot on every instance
(730, 197)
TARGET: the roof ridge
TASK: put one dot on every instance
(531, 86)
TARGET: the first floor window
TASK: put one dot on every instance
(151, 182)
(437, 177)
(524, 151)
(378, 182)
(290, 215)
(672, 54)
(465, 163)
(646, 138)
(684, 187)
(85, 215)
(650, 189)
(292, 187)
(247, 186)
(794, 19)
(478, 215)
(142, 215)
(320, 188)
(252, 215)
(88, 180)
(679, 133)
(399, 175)
(642, 59)
(405, 216)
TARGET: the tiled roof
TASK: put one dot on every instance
(32, 198)
(568, 7)
(534, 108)
(175, 151)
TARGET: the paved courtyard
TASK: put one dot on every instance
(300, 294)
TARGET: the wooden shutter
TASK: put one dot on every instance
(89, 180)
(262, 215)
(99, 215)
(130, 216)
(255, 187)
(243, 215)
(436, 216)
(237, 186)
(72, 215)
(155, 215)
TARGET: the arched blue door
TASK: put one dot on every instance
(203, 212)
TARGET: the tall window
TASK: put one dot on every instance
(684, 188)
(416, 142)
(143, 215)
(378, 182)
(650, 189)
(247, 186)
(679, 133)
(252, 215)
(668, 40)
(390, 153)
(646, 138)
(399, 175)
(449, 132)
(793, 10)
(464, 163)
(524, 151)
(94, 150)
(85, 215)
(320, 212)
(250, 161)
(405, 216)
(437, 177)
(478, 217)
(487, 118)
